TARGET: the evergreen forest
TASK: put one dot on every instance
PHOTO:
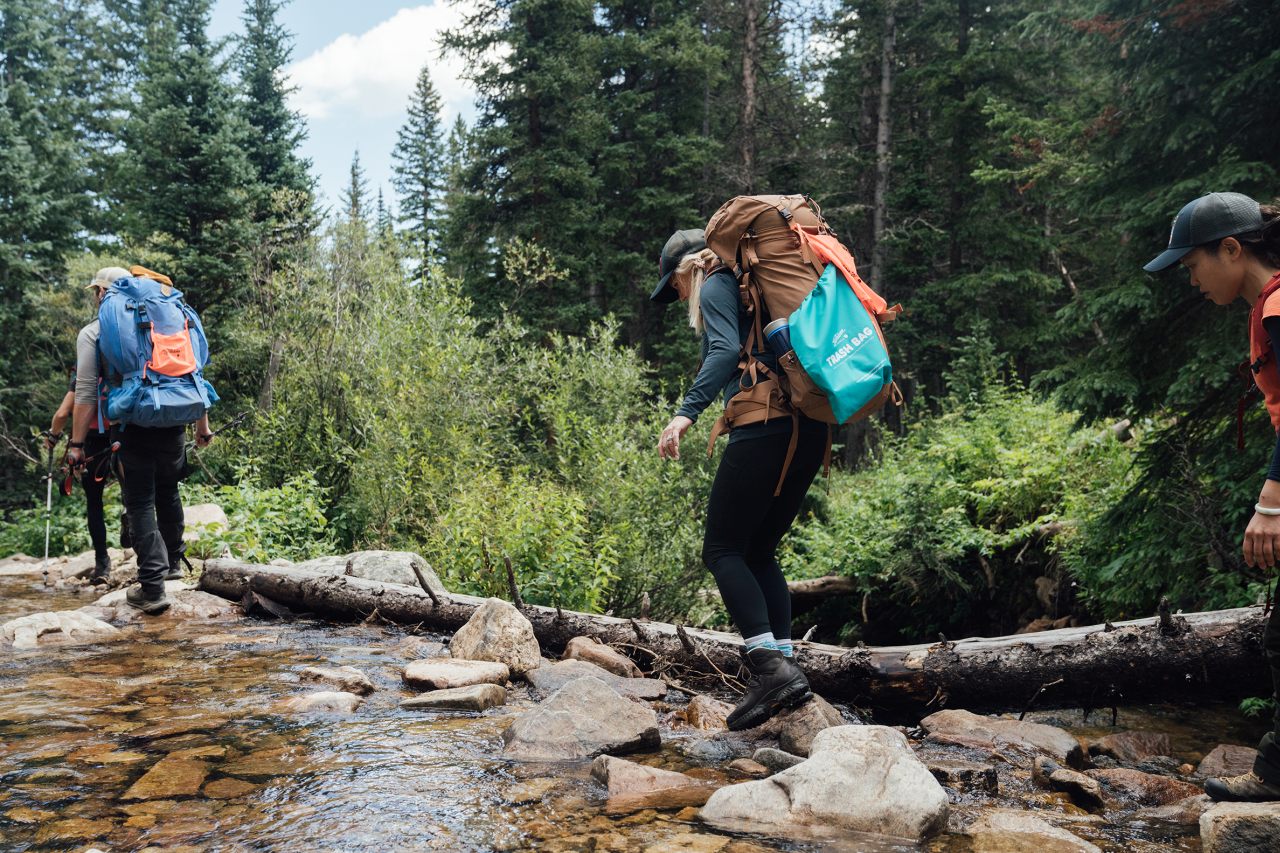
(468, 366)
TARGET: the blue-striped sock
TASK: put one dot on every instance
(759, 641)
(785, 647)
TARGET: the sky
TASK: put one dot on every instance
(355, 63)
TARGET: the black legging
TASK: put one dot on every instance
(94, 480)
(745, 523)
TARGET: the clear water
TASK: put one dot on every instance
(79, 726)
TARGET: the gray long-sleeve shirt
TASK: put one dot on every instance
(726, 325)
(87, 365)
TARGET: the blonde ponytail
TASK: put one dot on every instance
(693, 269)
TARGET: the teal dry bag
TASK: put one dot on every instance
(838, 344)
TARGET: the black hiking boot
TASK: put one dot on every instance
(101, 570)
(1245, 788)
(138, 599)
(776, 683)
(174, 573)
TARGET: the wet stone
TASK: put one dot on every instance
(445, 673)
(1241, 828)
(799, 726)
(707, 713)
(74, 829)
(745, 768)
(267, 762)
(1227, 760)
(228, 789)
(531, 791)
(549, 679)
(477, 697)
(170, 777)
(347, 679)
(777, 759)
(603, 656)
(1144, 789)
(324, 702)
(961, 775)
(1006, 830)
(26, 815)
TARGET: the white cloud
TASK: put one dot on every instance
(372, 75)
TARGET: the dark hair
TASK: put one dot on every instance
(1263, 244)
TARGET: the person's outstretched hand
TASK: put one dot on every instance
(669, 441)
(1262, 541)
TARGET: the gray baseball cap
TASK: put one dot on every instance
(1208, 218)
(678, 245)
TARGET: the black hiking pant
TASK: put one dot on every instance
(94, 479)
(1267, 763)
(745, 523)
(151, 462)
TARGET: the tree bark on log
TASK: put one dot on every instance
(1194, 656)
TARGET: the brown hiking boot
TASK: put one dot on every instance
(1245, 788)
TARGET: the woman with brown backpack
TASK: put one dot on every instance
(763, 476)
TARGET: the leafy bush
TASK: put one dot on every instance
(265, 522)
(937, 533)
(23, 529)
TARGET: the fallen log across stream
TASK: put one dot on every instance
(1196, 656)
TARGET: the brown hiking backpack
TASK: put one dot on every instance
(779, 246)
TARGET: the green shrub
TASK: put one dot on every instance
(265, 522)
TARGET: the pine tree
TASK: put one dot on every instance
(418, 170)
(275, 131)
(188, 185)
(355, 198)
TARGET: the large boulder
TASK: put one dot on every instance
(446, 673)
(583, 719)
(58, 628)
(1010, 831)
(549, 679)
(1132, 746)
(605, 657)
(200, 520)
(857, 778)
(498, 632)
(383, 566)
(1240, 828)
(1227, 759)
(969, 729)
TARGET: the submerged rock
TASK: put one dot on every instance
(1132, 746)
(583, 719)
(498, 632)
(968, 729)
(1145, 789)
(1007, 831)
(168, 779)
(57, 628)
(324, 702)
(1186, 812)
(345, 678)
(446, 673)
(477, 697)
(1240, 828)
(605, 657)
(420, 648)
(1227, 759)
(858, 778)
(549, 679)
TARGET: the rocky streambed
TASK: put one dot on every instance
(204, 729)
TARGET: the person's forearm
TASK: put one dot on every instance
(83, 418)
(202, 425)
(59, 422)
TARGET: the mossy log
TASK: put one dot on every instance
(1192, 657)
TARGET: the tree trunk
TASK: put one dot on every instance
(750, 62)
(884, 152)
(959, 145)
(267, 390)
(1216, 654)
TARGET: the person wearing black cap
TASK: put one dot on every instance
(745, 520)
(1231, 246)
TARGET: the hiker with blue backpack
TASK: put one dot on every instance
(146, 351)
(771, 301)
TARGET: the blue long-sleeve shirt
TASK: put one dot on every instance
(726, 325)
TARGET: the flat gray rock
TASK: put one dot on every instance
(345, 678)
(857, 778)
(382, 566)
(969, 729)
(583, 719)
(477, 697)
(57, 628)
(1240, 828)
(776, 759)
(445, 673)
(549, 679)
(1002, 830)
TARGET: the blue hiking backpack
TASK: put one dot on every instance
(154, 340)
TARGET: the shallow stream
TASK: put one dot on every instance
(79, 726)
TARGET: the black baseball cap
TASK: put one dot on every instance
(1208, 218)
(680, 244)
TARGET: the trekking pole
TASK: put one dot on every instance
(48, 506)
(230, 426)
